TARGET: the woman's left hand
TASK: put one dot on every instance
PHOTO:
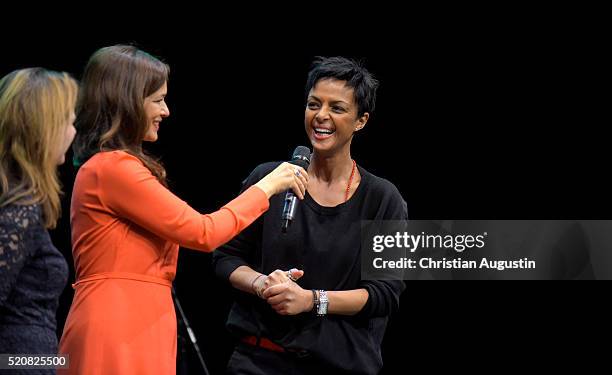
(289, 298)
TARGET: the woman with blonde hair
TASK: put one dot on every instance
(127, 226)
(36, 129)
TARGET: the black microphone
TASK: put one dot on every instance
(301, 157)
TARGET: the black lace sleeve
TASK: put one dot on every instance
(16, 223)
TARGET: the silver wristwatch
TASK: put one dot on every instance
(322, 305)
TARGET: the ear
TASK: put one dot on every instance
(362, 121)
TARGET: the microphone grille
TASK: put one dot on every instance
(301, 156)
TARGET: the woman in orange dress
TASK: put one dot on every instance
(127, 226)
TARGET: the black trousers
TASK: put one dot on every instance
(253, 360)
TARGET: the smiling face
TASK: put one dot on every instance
(331, 116)
(156, 109)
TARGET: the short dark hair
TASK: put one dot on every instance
(353, 72)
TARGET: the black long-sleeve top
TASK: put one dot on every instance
(33, 274)
(325, 243)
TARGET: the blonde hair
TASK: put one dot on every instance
(35, 106)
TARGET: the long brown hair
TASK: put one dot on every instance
(110, 110)
(35, 108)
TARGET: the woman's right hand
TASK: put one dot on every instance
(263, 282)
(285, 176)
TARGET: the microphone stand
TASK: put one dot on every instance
(183, 319)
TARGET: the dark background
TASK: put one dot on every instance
(481, 118)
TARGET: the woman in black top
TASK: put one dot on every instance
(274, 320)
(36, 117)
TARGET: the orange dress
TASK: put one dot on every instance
(126, 231)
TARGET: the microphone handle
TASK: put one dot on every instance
(289, 210)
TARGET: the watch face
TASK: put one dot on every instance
(322, 303)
